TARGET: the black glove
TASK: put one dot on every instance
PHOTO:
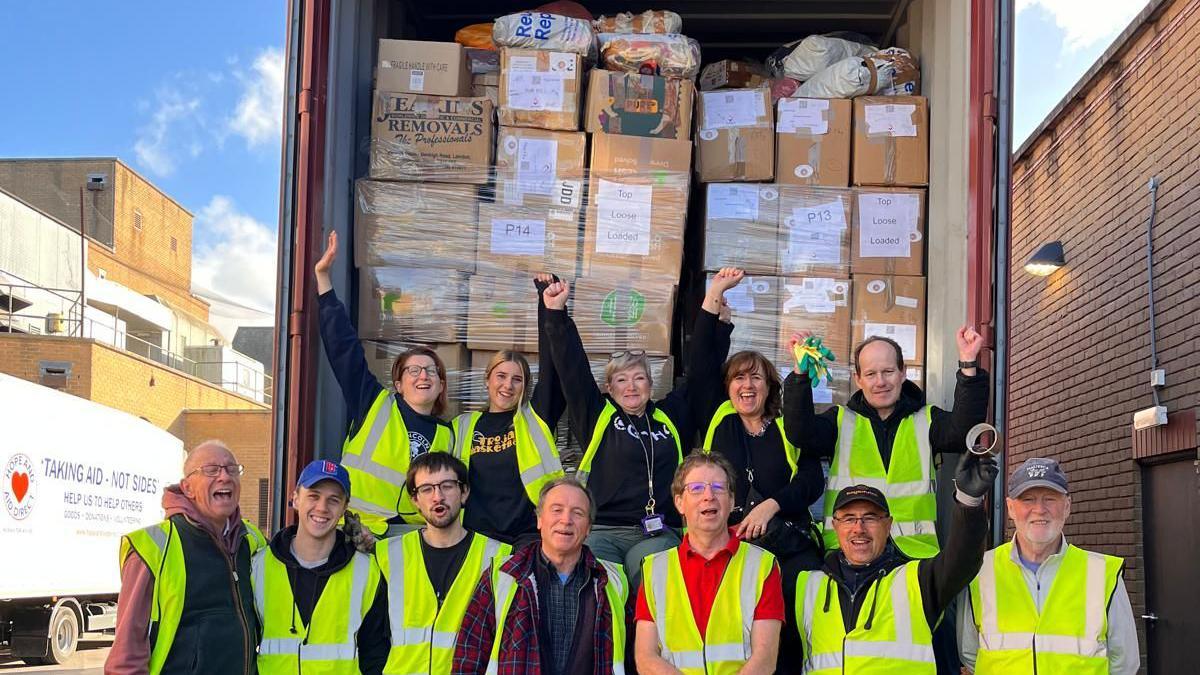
(976, 474)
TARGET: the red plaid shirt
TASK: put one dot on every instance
(520, 651)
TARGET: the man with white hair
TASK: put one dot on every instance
(1041, 605)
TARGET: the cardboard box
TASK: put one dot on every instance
(741, 227)
(888, 233)
(487, 85)
(414, 225)
(812, 141)
(662, 373)
(381, 356)
(411, 305)
(615, 314)
(539, 88)
(637, 208)
(735, 140)
(892, 307)
(419, 67)
(437, 139)
(540, 168)
(754, 305)
(827, 394)
(817, 304)
(526, 238)
(732, 74)
(639, 105)
(891, 141)
(814, 231)
(502, 313)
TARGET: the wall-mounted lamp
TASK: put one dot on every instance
(1046, 260)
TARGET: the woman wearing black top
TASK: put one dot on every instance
(509, 445)
(632, 445)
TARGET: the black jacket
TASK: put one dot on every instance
(618, 477)
(942, 577)
(374, 637)
(817, 434)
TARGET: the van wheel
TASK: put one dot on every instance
(64, 638)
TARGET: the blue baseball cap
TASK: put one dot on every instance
(1037, 472)
(319, 470)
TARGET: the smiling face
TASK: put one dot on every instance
(707, 511)
(1039, 514)
(630, 388)
(564, 520)
(748, 392)
(505, 386)
(423, 388)
(879, 376)
(215, 497)
(439, 507)
(863, 540)
(319, 508)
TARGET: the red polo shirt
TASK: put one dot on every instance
(703, 577)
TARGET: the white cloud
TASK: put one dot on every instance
(1086, 22)
(259, 114)
(158, 145)
(236, 269)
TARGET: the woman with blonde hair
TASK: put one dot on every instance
(508, 446)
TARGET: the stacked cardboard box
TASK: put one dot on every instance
(735, 137)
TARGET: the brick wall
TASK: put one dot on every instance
(248, 434)
(56, 187)
(1080, 347)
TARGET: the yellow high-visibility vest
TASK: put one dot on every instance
(537, 458)
(585, 465)
(791, 452)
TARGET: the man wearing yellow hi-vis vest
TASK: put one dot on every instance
(319, 601)
(714, 605)
(870, 608)
(1041, 605)
(387, 428)
(186, 604)
(887, 437)
(431, 573)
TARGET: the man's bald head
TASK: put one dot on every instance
(208, 452)
(215, 496)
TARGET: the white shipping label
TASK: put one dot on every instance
(905, 335)
(733, 108)
(567, 194)
(740, 299)
(510, 193)
(891, 119)
(813, 295)
(537, 160)
(731, 201)
(623, 218)
(803, 114)
(887, 224)
(416, 80)
(518, 237)
(911, 303)
(815, 235)
(535, 91)
(528, 63)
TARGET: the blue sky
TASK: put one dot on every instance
(189, 94)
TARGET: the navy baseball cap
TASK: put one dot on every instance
(861, 493)
(1037, 472)
(320, 469)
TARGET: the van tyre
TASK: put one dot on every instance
(64, 638)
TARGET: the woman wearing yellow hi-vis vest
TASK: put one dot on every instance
(387, 428)
(320, 602)
(871, 609)
(886, 436)
(509, 446)
(632, 444)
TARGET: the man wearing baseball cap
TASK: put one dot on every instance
(872, 606)
(1040, 604)
(321, 603)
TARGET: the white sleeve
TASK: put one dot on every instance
(1124, 657)
(968, 637)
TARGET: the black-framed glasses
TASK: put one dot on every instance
(868, 520)
(697, 488)
(445, 487)
(627, 352)
(415, 371)
(214, 470)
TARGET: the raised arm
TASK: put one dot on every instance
(548, 400)
(342, 347)
(584, 401)
(700, 391)
(948, 429)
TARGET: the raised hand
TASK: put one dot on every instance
(976, 474)
(556, 294)
(725, 279)
(325, 264)
(970, 343)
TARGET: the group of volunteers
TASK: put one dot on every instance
(682, 542)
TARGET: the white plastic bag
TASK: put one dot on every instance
(542, 30)
(890, 72)
(816, 53)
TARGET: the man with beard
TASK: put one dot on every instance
(1041, 605)
(431, 573)
(311, 579)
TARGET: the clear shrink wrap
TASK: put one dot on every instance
(668, 55)
(649, 21)
(741, 227)
(539, 88)
(415, 225)
(439, 139)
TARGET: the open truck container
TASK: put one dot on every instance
(964, 52)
